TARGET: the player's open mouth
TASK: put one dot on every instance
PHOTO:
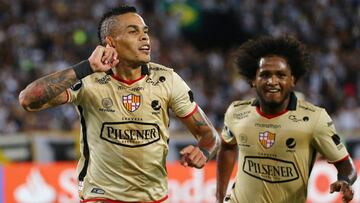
(272, 91)
(145, 48)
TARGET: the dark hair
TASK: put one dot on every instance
(108, 19)
(250, 53)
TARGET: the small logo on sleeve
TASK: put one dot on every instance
(98, 191)
(76, 86)
(191, 96)
(336, 139)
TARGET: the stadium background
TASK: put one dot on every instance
(196, 38)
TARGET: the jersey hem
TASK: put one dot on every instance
(338, 161)
(119, 201)
(191, 113)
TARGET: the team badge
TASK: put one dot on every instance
(131, 102)
(267, 139)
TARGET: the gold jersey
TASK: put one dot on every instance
(277, 153)
(124, 132)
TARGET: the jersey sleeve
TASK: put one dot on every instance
(327, 141)
(75, 92)
(226, 133)
(182, 100)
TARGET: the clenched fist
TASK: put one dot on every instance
(193, 157)
(103, 58)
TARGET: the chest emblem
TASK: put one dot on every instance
(267, 139)
(131, 102)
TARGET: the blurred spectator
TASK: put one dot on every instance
(193, 37)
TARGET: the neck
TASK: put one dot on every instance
(274, 108)
(127, 73)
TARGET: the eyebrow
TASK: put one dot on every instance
(137, 27)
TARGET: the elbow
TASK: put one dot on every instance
(25, 102)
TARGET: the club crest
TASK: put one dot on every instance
(267, 139)
(131, 102)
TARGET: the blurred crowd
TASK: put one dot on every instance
(42, 36)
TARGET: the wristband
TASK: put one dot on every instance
(82, 69)
(344, 178)
(205, 152)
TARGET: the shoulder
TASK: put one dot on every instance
(96, 77)
(158, 68)
(240, 105)
(309, 107)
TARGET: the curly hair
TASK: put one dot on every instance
(249, 54)
(108, 20)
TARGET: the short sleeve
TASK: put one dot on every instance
(326, 140)
(182, 99)
(226, 133)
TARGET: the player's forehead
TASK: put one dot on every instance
(130, 20)
(273, 62)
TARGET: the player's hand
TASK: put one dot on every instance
(103, 58)
(193, 157)
(343, 187)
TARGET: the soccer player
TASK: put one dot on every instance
(276, 136)
(123, 101)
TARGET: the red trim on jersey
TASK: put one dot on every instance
(343, 159)
(129, 82)
(118, 201)
(272, 115)
(190, 114)
(67, 97)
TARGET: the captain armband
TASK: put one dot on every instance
(82, 69)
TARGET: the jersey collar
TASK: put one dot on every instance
(144, 70)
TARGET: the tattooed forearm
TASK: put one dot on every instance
(44, 89)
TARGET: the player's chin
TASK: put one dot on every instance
(145, 60)
(273, 103)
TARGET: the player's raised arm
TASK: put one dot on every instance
(50, 90)
(226, 160)
(346, 177)
(207, 137)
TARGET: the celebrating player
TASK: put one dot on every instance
(123, 100)
(276, 136)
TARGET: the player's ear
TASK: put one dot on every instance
(109, 41)
(251, 83)
(293, 81)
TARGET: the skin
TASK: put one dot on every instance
(127, 48)
(273, 83)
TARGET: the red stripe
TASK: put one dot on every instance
(270, 116)
(118, 201)
(67, 97)
(129, 82)
(343, 159)
(190, 114)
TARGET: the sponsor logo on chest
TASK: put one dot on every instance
(270, 169)
(130, 134)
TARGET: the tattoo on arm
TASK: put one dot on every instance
(198, 122)
(48, 87)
